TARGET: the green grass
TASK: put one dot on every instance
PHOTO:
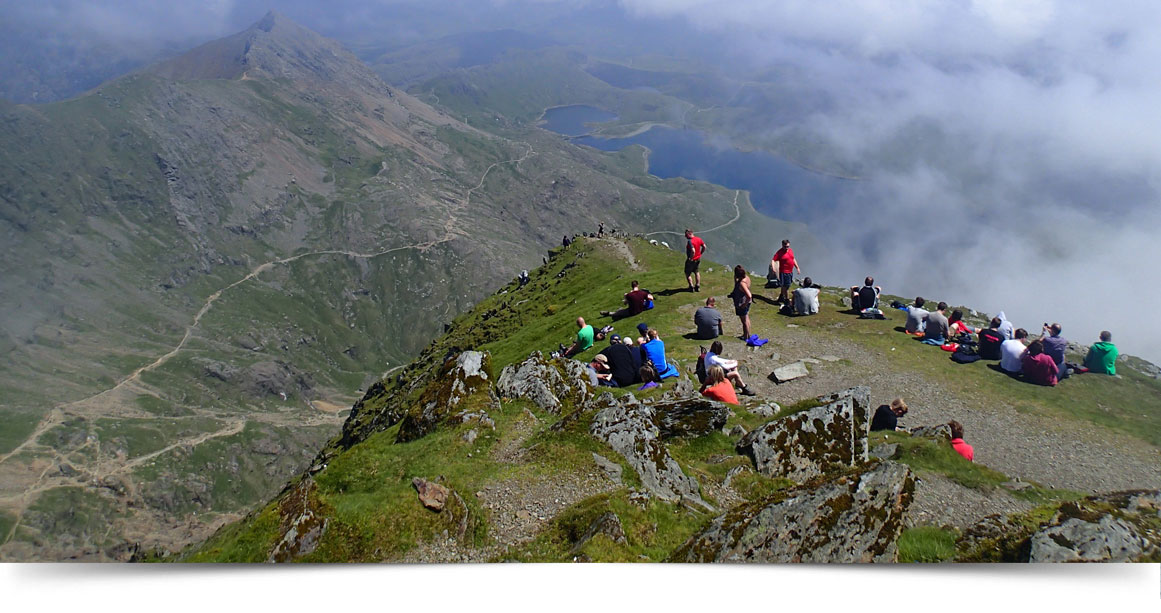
(6, 522)
(18, 425)
(926, 544)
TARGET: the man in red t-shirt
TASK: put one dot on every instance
(784, 262)
(694, 247)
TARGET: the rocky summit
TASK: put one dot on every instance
(491, 447)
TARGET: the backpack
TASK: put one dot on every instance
(700, 369)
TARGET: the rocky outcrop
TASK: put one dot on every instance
(690, 417)
(629, 427)
(807, 444)
(941, 431)
(1118, 527)
(849, 518)
(463, 386)
(549, 384)
(608, 524)
(302, 526)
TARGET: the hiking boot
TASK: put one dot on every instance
(697, 288)
(746, 391)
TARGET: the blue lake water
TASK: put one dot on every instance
(777, 187)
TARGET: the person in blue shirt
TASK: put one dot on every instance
(654, 349)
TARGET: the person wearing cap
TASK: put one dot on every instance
(622, 364)
(599, 371)
(643, 331)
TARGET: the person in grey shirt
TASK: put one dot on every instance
(916, 316)
(806, 298)
(1054, 347)
(708, 320)
(936, 328)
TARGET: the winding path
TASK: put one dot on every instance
(737, 215)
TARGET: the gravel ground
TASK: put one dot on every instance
(941, 501)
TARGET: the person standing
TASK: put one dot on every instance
(694, 248)
(743, 298)
(785, 263)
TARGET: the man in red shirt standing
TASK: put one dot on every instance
(694, 247)
(784, 262)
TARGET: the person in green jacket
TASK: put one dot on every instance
(1102, 356)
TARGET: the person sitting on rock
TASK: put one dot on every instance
(1038, 366)
(635, 302)
(887, 416)
(730, 367)
(806, 298)
(717, 387)
(1102, 356)
(1012, 353)
(621, 361)
(990, 340)
(654, 350)
(867, 296)
(584, 338)
(916, 317)
(957, 443)
(708, 320)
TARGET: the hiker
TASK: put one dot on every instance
(956, 325)
(867, 296)
(916, 317)
(887, 416)
(1012, 353)
(643, 330)
(935, 326)
(621, 361)
(1055, 345)
(694, 248)
(599, 373)
(708, 320)
(1038, 366)
(584, 338)
(806, 298)
(743, 298)
(654, 350)
(636, 301)
(600, 229)
(1102, 356)
(566, 242)
(957, 443)
(1006, 327)
(785, 263)
(714, 358)
(990, 340)
(717, 387)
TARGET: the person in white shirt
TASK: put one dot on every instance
(1011, 350)
(1006, 327)
(713, 357)
(806, 298)
(916, 316)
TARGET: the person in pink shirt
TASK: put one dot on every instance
(957, 443)
(717, 387)
(1037, 366)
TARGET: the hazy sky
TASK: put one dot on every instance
(1015, 147)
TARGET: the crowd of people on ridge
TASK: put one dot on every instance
(623, 364)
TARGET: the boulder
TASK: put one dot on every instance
(548, 384)
(848, 518)
(807, 444)
(766, 410)
(628, 426)
(1108, 539)
(608, 524)
(301, 526)
(940, 431)
(691, 417)
(885, 451)
(610, 468)
(432, 495)
(463, 386)
(789, 372)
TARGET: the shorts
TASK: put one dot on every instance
(786, 279)
(691, 266)
(742, 311)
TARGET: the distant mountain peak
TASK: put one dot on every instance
(276, 47)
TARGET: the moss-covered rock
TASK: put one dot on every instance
(550, 384)
(302, 524)
(464, 386)
(854, 517)
(807, 444)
